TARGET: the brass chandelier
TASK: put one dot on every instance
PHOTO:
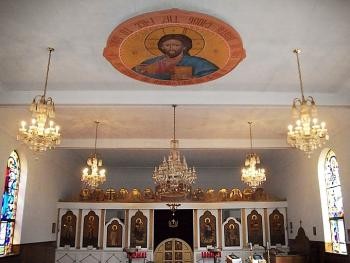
(94, 174)
(42, 134)
(251, 174)
(307, 134)
(172, 177)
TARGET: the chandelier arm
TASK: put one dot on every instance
(47, 69)
(310, 99)
(37, 99)
(49, 101)
(297, 100)
(297, 51)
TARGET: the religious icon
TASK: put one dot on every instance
(68, 227)
(175, 62)
(91, 228)
(168, 245)
(174, 47)
(139, 229)
(178, 245)
(255, 231)
(114, 234)
(277, 233)
(138, 235)
(168, 256)
(90, 231)
(207, 229)
(231, 234)
(178, 255)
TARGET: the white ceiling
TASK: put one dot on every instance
(214, 115)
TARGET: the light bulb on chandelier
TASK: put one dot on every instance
(94, 174)
(252, 175)
(308, 133)
(173, 177)
(39, 136)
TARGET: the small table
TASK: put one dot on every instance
(130, 251)
(216, 251)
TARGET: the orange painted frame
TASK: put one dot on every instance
(126, 46)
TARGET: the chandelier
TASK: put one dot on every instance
(94, 174)
(42, 133)
(251, 174)
(172, 177)
(308, 133)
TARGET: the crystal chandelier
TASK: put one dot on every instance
(308, 133)
(251, 175)
(39, 136)
(94, 174)
(172, 177)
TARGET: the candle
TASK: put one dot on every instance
(250, 246)
(267, 245)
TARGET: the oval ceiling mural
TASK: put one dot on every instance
(174, 47)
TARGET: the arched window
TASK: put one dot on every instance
(9, 203)
(332, 203)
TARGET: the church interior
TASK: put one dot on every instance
(186, 131)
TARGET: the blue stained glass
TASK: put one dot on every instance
(9, 203)
(332, 170)
(2, 237)
(335, 204)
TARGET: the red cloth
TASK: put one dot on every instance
(207, 254)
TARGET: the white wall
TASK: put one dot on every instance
(295, 177)
(291, 175)
(141, 177)
(50, 177)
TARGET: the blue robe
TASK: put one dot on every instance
(200, 67)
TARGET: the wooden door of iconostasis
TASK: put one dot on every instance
(173, 241)
(173, 250)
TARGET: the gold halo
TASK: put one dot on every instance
(151, 41)
(207, 220)
(114, 227)
(138, 221)
(231, 226)
(91, 218)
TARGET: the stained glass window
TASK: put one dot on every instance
(332, 204)
(9, 203)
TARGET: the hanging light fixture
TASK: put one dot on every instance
(42, 134)
(172, 177)
(251, 174)
(94, 174)
(307, 134)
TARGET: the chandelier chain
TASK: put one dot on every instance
(50, 49)
(174, 132)
(250, 132)
(297, 52)
(97, 123)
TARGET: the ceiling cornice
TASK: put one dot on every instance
(168, 97)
